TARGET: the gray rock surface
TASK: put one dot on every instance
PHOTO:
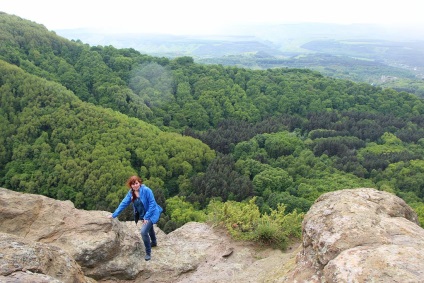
(360, 235)
(100, 246)
(27, 261)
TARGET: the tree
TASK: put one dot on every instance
(274, 179)
(181, 211)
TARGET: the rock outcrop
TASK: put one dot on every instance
(108, 250)
(29, 261)
(360, 235)
(103, 248)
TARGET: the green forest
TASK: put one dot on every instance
(78, 120)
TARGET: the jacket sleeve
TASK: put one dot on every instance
(124, 203)
(151, 202)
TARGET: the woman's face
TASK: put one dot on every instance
(135, 186)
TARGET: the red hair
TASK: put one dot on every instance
(131, 181)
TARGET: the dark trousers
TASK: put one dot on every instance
(148, 235)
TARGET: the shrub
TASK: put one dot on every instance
(244, 222)
(269, 233)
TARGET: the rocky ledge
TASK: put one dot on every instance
(353, 235)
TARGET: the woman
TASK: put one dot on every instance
(145, 208)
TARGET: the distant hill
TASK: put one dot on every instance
(359, 52)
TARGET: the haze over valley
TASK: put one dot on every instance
(380, 55)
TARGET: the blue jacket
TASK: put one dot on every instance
(152, 210)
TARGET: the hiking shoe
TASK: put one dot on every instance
(147, 257)
(153, 244)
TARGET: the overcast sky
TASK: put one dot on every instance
(208, 17)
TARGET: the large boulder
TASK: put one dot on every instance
(27, 261)
(102, 247)
(360, 235)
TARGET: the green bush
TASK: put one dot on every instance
(269, 233)
(244, 221)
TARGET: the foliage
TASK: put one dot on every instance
(244, 221)
(419, 209)
(220, 180)
(181, 211)
(238, 217)
(269, 233)
(277, 228)
(368, 65)
(67, 149)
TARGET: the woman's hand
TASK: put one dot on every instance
(110, 216)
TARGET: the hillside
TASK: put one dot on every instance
(79, 119)
(386, 56)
